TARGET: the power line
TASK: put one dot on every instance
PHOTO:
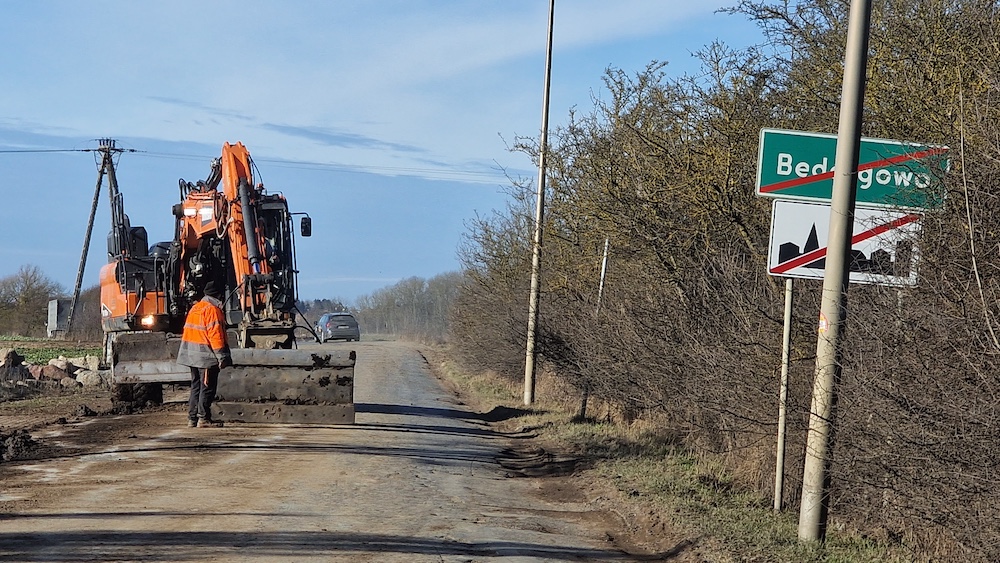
(435, 173)
(16, 151)
(473, 176)
(45, 150)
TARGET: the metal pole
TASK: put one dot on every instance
(786, 349)
(604, 271)
(530, 355)
(833, 312)
(597, 311)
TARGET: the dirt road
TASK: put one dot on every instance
(416, 479)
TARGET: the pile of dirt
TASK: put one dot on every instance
(53, 406)
(16, 445)
(15, 392)
(84, 410)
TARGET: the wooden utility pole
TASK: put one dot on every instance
(530, 354)
(833, 312)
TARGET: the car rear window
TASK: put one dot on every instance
(343, 319)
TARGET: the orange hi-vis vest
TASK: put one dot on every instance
(203, 343)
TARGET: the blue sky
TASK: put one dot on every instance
(387, 121)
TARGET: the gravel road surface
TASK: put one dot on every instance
(415, 479)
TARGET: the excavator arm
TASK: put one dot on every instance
(232, 230)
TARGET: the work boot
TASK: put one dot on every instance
(192, 422)
(206, 423)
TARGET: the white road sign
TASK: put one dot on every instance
(883, 249)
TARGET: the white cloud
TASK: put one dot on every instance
(443, 76)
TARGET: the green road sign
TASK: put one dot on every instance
(799, 166)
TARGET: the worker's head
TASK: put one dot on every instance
(213, 289)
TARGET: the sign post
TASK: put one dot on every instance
(786, 353)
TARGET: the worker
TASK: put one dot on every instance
(205, 350)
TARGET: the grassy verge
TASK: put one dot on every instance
(650, 474)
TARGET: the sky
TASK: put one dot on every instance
(388, 121)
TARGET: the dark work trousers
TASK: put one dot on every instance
(202, 395)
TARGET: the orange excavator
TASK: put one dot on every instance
(233, 233)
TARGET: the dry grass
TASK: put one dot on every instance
(661, 491)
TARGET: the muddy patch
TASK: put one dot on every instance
(536, 462)
(15, 391)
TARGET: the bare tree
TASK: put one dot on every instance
(87, 318)
(24, 298)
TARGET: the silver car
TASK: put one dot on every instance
(338, 326)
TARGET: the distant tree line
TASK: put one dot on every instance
(688, 333)
(24, 301)
(413, 308)
(313, 309)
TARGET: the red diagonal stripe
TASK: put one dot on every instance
(814, 255)
(770, 188)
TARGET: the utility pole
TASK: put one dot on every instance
(108, 151)
(833, 312)
(530, 354)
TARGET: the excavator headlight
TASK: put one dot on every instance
(147, 321)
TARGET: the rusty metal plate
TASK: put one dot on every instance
(282, 384)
